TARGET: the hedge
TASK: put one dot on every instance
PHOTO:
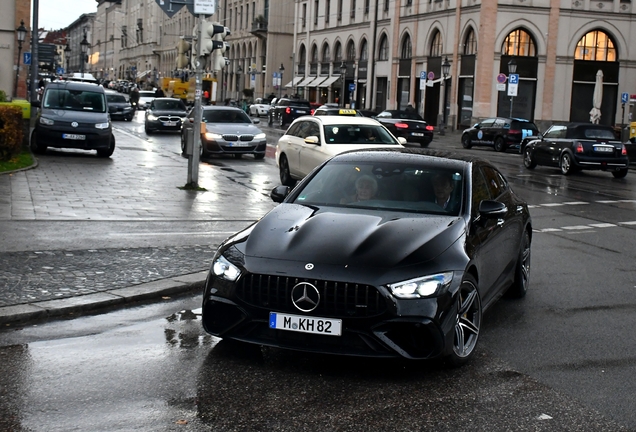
(10, 131)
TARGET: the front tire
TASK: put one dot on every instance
(109, 151)
(36, 147)
(467, 322)
(500, 144)
(285, 175)
(522, 273)
(620, 173)
(466, 141)
(566, 164)
(528, 160)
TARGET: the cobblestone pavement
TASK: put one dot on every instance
(137, 184)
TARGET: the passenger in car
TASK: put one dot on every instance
(443, 188)
(366, 189)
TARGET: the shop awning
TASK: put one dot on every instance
(329, 81)
(306, 81)
(294, 82)
(317, 81)
(143, 74)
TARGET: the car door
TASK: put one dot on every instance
(292, 143)
(312, 154)
(483, 131)
(547, 150)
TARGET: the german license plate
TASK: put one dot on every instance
(305, 324)
(170, 123)
(604, 149)
(239, 144)
(417, 134)
(74, 136)
(301, 111)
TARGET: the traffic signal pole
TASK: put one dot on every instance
(193, 159)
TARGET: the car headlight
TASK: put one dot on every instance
(212, 136)
(152, 117)
(46, 121)
(425, 286)
(225, 269)
(102, 125)
(260, 136)
(183, 119)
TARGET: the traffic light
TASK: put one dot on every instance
(210, 39)
(183, 49)
(218, 58)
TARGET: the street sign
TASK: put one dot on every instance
(59, 70)
(168, 7)
(431, 75)
(352, 87)
(512, 89)
(423, 75)
(624, 98)
(422, 80)
(501, 78)
(513, 78)
(27, 58)
(204, 7)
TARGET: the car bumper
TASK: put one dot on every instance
(224, 147)
(121, 115)
(392, 328)
(162, 126)
(602, 163)
(409, 137)
(93, 138)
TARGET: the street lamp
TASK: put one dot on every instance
(343, 71)
(263, 72)
(512, 69)
(239, 71)
(22, 31)
(84, 46)
(281, 69)
(67, 56)
(445, 72)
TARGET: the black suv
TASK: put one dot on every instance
(287, 110)
(500, 132)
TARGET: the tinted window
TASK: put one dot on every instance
(480, 190)
(487, 123)
(294, 130)
(75, 100)
(599, 134)
(168, 104)
(225, 116)
(354, 134)
(556, 132)
(495, 182)
(116, 98)
(406, 115)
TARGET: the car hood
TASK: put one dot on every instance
(232, 128)
(335, 236)
(72, 115)
(167, 112)
(118, 105)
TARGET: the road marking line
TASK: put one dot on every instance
(628, 223)
(171, 233)
(575, 203)
(606, 202)
(603, 225)
(577, 227)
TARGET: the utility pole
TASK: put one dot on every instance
(199, 61)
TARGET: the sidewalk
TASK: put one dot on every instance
(42, 284)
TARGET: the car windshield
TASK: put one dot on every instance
(400, 115)
(594, 133)
(385, 186)
(114, 98)
(175, 104)
(74, 100)
(225, 116)
(358, 134)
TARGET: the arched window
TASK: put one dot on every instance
(303, 55)
(596, 46)
(470, 43)
(314, 54)
(338, 52)
(407, 49)
(436, 45)
(351, 51)
(364, 51)
(383, 53)
(519, 43)
(326, 53)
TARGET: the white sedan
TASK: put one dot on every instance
(310, 141)
(259, 109)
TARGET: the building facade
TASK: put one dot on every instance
(13, 72)
(377, 50)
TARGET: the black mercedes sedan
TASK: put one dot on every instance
(379, 253)
(501, 133)
(165, 114)
(407, 124)
(119, 107)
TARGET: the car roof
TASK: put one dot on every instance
(220, 107)
(339, 119)
(76, 85)
(406, 154)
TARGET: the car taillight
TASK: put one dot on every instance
(312, 111)
(623, 150)
(429, 128)
(288, 110)
(401, 126)
(578, 147)
(514, 131)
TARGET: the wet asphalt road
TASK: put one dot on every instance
(558, 360)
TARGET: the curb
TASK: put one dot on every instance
(78, 305)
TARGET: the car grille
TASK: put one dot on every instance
(229, 137)
(337, 299)
(165, 118)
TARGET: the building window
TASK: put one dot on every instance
(364, 51)
(124, 36)
(338, 54)
(596, 46)
(351, 52)
(386, 5)
(470, 43)
(383, 54)
(519, 43)
(353, 8)
(339, 10)
(327, 10)
(407, 49)
(367, 6)
(247, 16)
(316, 12)
(436, 45)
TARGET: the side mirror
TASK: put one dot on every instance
(256, 121)
(476, 126)
(279, 193)
(492, 209)
(312, 139)
(402, 140)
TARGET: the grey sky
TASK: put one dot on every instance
(56, 14)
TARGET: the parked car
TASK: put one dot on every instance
(287, 110)
(501, 133)
(259, 108)
(407, 124)
(228, 130)
(395, 275)
(145, 97)
(311, 140)
(331, 110)
(119, 106)
(578, 146)
(165, 114)
(73, 115)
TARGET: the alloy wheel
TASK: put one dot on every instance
(468, 320)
